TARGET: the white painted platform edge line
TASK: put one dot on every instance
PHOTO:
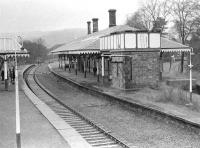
(71, 141)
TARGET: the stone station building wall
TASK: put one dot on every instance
(135, 69)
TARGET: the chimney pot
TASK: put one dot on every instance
(89, 27)
(112, 17)
(95, 25)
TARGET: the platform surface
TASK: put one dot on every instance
(36, 131)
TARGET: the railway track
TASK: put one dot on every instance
(92, 132)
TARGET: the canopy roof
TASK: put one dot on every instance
(9, 45)
(173, 46)
(91, 43)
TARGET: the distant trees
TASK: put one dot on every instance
(152, 15)
(186, 18)
(37, 50)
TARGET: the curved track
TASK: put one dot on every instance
(93, 133)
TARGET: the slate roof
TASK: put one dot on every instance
(170, 44)
(91, 42)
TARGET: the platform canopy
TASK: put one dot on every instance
(9, 45)
(173, 46)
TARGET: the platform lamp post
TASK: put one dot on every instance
(190, 67)
(18, 135)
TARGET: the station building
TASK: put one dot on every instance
(127, 57)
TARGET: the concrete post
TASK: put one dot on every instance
(18, 132)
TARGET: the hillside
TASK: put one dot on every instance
(57, 37)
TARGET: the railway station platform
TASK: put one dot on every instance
(144, 97)
(36, 131)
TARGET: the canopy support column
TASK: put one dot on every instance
(62, 59)
(97, 70)
(76, 64)
(84, 66)
(89, 64)
(6, 73)
(59, 61)
(94, 66)
(103, 68)
(65, 62)
(69, 63)
(161, 66)
(108, 68)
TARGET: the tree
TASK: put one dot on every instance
(195, 42)
(139, 21)
(36, 49)
(159, 24)
(186, 18)
(153, 15)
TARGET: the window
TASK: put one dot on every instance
(142, 40)
(122, 41)
(154, 40)
(106, 43)
(130, 40)
(115, 41)
(118, 41)
(111, 42)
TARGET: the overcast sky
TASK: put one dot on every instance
(43, 15)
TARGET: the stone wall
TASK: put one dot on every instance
(145, 68)
(135, 69)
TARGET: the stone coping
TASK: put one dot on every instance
(180, 79)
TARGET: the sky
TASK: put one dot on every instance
(47, 15)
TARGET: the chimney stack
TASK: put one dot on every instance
(95, 25)
(89, 27)
(112, 17)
